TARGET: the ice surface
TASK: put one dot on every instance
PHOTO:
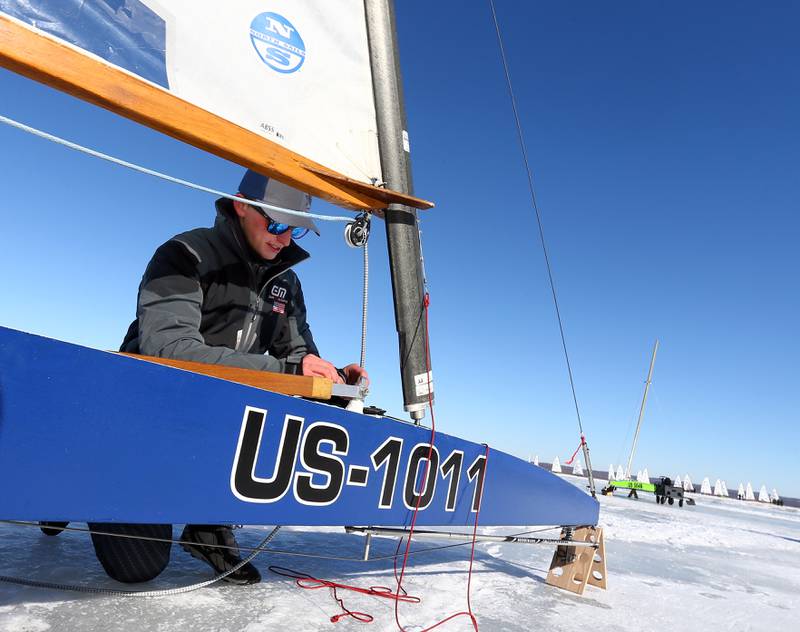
(721, 565)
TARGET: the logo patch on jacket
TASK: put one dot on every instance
(278, 293)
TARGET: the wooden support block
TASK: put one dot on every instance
(574, 567)
(302, 385)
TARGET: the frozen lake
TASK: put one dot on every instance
(721, 565)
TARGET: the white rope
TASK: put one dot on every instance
(163, 176)
(365, 300)
(142, 593)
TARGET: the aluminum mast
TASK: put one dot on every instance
(402, 232)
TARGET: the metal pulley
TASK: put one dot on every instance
(356, 233)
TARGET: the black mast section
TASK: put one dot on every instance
(402, 232)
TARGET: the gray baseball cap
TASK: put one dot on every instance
(270, 191)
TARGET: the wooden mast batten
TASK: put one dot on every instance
(56, 64)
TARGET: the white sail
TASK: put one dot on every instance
(705, 487)
(678, 482)
(718, 488)
(639, 476)
(620, 473)
(577, 469)
(296, 73)
(611, 472)
(556, 466)
(725, 489)
(748, 494)
(687, 484)
(740, 492)
(536, 460)
(774, 495)
(645, 476)
(763, 496)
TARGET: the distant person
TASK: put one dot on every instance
(221, 295)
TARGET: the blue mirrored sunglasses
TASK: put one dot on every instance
(277, 228)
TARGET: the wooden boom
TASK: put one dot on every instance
(61, 66)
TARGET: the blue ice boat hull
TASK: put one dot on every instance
(87, 435)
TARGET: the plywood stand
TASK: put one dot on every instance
(574, 567)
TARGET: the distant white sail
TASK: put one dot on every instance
(763, 496)
(748, 494)
(577, 470)
(677, 482)
(639, 476)
(687, 484)
(740, 492)
(620, 473)
(774, 496)
(705, 487)
(611, 474)
(718, 488)
(536, 460)
(556, 467)
(645, 476)
(725, 489)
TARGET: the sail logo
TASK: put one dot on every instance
(277, 42)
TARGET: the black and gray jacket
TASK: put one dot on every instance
(205, 296)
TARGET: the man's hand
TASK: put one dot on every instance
(314, 365)
(354, 373)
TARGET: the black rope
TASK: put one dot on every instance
(249, 549)
(535, 206)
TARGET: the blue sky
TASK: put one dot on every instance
(665, 144)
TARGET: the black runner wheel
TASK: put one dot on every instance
(52, 528)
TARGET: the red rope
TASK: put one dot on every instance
(468, 612)
(580, 445)
(308, 582)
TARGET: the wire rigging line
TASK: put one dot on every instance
(166, 592)
(163, 176)
(535, 206)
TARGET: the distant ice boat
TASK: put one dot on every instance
(705, 488)
(687, 484)
(556, 467)
(740, 492)
(718, 488)
(577, 470)
(678, 482)
(748, 494)
(763, 496)
(620, 473)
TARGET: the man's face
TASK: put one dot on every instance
(254, 225)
